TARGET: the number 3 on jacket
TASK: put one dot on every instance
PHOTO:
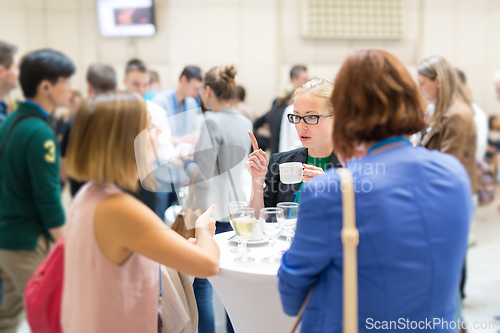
(50, 145)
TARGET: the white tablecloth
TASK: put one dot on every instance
(250, 291)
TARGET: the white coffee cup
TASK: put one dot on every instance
(291, 173)
(257, 233)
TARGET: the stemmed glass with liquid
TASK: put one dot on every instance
(268, 219)
(235, 209)
(243, 226)
(289, 220)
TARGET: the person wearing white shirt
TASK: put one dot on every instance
(137, 79)
(289, 139)
(185, 119)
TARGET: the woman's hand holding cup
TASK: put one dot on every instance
(257, 162)
(311, 171)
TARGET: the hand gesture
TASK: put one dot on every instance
(206, 222)
(257, 162)
(311, 171)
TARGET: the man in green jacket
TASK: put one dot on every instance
(31, 213)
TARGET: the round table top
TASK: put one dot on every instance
(257, 251)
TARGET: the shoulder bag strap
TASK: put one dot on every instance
(350, 240)
(9, 133)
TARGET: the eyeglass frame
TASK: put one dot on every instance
(304, 118)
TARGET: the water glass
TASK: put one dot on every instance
(289, 220)
(268, 219)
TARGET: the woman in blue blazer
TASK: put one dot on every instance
(412, 212)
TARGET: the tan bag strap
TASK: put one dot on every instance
(191, 199)
(350, 240)
(301, 311)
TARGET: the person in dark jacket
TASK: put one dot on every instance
(273, 120)
(101, 78)
(313, 119)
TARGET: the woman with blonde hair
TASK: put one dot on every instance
(113, 241)
(451, 124)
(313, 116)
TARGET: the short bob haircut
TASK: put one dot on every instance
(42, 65)
(101, 143)
(374, 98)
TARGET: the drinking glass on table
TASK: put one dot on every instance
(268, 219)
(235, 208)
(289, 220)
(243, 226)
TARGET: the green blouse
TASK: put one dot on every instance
(320, 162)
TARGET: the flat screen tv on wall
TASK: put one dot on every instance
(126, 18)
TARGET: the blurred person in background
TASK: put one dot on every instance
(181, 100)
(313, 119)
(271, 122)
(63, 122)
(9, 72)
(154, 85)
(31, 212)
(218, 170)
(481, 122)
(409, 259)
(136, 77)
(298, 76)
(494, 131)
(452, 129)
(184, 116)
(158, 199)
(480, 119)
(241, 106)
(494, 143)
(289, 139)
(101, 78)
(114, 242)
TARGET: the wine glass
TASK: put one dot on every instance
(289, 220)
(243, 226)
(268, 219)
(235, 209)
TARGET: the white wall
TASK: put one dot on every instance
(260, 36)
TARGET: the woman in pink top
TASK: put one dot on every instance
(114, 242)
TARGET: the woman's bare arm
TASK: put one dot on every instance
(124, 225)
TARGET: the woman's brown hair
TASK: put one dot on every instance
(101, 144)
(374, 98)
(221, 81)
(450, 88)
